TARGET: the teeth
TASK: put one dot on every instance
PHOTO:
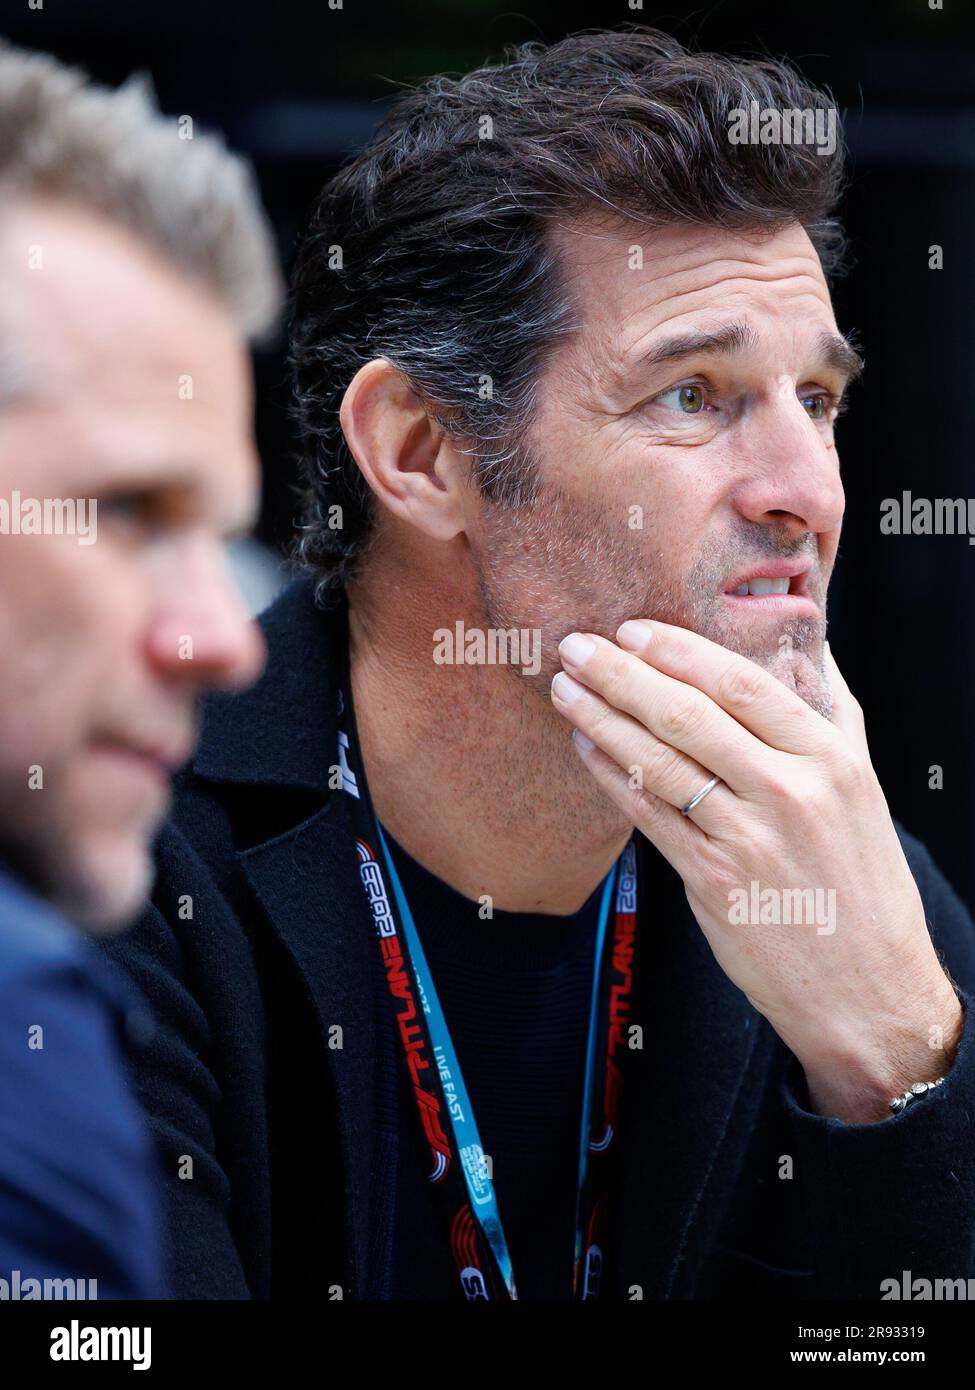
(764, 586)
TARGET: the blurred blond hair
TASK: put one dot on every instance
(63, 135)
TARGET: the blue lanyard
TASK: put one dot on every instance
(480, 1187)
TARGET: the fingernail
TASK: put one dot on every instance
(584, 743)
(576, 649)
(566, 688)
(635, 633)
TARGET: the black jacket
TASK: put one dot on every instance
(256, 945)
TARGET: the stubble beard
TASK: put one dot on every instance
(546, 565)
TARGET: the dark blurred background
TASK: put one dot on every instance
(298, 86)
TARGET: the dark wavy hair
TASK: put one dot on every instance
(446, 268)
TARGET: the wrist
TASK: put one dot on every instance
(856, 1080)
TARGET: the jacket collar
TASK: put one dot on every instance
(283, 730)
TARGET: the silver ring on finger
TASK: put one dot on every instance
(699, 797)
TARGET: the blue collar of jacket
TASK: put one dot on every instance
(35, 936)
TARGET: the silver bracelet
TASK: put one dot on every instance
(919, 1089)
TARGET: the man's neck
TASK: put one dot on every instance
(472, 770)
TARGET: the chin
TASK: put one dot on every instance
(108, 887)
(809, 680)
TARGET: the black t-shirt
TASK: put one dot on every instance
(515, 991)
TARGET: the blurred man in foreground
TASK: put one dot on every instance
(133, 264)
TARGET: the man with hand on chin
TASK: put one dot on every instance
(460, 1013)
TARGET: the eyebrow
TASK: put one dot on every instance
(832, 349)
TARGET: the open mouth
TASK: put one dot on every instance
(779, 587)
(760, 587)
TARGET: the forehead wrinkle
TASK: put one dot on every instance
(684, 303)
(736, 283)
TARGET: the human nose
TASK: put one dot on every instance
(204, 632)
(790, 477)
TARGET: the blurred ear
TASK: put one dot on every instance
(403, 453)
